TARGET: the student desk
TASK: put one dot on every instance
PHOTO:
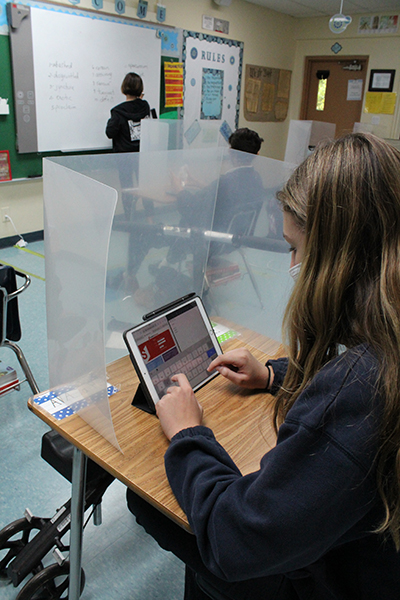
(239, 419)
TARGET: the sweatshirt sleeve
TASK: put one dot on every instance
(309, 492)
(113, 124)
(279, 367)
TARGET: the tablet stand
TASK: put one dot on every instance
(140, 401)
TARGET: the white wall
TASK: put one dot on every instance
(314, 38)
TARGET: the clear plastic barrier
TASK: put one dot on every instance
(298, 141)
(199, 220)
(158, 249)
(303, 136)
(78, 217)
(203, 134)
(248, 280)
(177, 134)
(128, 233)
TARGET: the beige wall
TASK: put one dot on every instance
(270, 39)
(314, 38)
(24, 203)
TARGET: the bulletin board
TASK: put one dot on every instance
(212, 82)
(267, 93)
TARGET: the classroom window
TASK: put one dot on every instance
(321, 94)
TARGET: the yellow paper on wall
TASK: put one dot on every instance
(380, 102)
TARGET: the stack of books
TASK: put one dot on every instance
(8, 379)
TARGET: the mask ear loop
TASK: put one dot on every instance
(294, 271)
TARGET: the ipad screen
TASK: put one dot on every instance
(177, 342)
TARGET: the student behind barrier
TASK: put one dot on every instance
(320, 520)
(123, 128)
(239, 189)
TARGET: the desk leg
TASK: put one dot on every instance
(77, 514)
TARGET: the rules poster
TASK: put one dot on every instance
(212, 82)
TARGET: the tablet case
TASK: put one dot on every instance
(140, 401)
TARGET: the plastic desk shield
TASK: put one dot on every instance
(78, 218)
(248, 280)
(203, 221)
(178, 134)
(128, 233)
(158, 248)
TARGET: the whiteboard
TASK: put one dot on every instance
(79, 63)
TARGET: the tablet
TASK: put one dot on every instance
(177, 338)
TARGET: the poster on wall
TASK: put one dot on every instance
(378, 24)
(212, 80)
(267, 93)
(173, 74)
(5, 167)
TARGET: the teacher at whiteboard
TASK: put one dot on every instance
(123, 128)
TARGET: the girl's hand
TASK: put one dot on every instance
(179, 408)
(240, 367)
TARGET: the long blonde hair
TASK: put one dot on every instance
(346, 198)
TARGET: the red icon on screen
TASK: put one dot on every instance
(157, 345)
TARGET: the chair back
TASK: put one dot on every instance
(244, 222)
(9, 314)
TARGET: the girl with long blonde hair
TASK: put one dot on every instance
(320, 520)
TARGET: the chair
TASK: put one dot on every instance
(219, 271)
(10, 331)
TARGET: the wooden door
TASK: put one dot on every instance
(343, 92)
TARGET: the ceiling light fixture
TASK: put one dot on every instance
(338, 23)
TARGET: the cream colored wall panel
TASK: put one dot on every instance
(24, 203)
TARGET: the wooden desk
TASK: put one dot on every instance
(239, 419)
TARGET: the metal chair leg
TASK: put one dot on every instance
(24, 365)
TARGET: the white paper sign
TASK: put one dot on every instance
(354, 89)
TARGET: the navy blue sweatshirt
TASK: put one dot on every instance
(310, 510)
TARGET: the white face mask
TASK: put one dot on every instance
(294, 271)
